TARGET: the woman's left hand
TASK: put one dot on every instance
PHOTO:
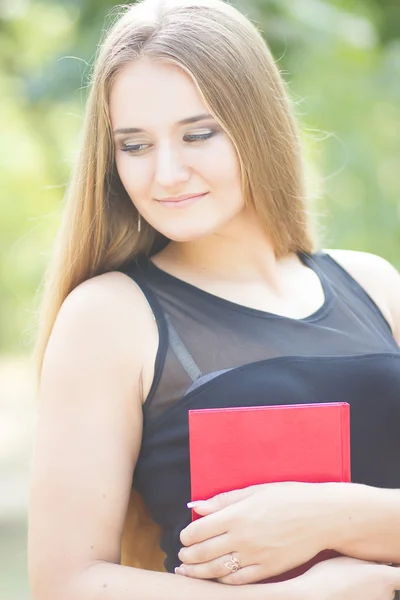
(269, 528)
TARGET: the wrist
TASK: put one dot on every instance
(331, 514)
(343, 502)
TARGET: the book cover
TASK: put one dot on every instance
(233, 448)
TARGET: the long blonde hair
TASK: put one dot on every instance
(234, 71)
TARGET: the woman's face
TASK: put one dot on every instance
(166, 151)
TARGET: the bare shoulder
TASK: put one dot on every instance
(110, 313)
(111, 296)
(378, 277)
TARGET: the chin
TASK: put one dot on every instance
(186, 234)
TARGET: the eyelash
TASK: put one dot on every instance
(133, 148)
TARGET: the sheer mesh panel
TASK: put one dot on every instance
(208, 335)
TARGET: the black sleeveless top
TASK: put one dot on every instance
(215, 353)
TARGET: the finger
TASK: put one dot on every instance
(205, 551)
(221, 501)
(203, 529)
(243, 576)
(214, 569)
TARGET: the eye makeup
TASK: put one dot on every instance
(189, 137)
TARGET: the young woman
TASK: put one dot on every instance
(186, 276)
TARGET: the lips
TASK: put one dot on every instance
(182, 198)
(181, 201)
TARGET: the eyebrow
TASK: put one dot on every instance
(186, 121)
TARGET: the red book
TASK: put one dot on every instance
(233, 448)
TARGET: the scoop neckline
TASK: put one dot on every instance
(306, 259)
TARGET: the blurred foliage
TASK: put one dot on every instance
(341, 59)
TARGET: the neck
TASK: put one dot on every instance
(241, 251)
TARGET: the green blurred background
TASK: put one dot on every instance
(341, 59)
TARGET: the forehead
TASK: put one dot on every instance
(150, 94)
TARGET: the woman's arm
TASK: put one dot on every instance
(87, 442)
(106, 581)
(336, 579)
(366, 522)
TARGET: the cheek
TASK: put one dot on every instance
(221, 167)
(228, 164)
(135, 175)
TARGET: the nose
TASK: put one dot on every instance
(170, 169)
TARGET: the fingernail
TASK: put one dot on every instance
(180, 570)
(193, 504)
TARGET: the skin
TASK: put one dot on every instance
(100, 359)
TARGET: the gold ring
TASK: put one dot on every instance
(233, 564)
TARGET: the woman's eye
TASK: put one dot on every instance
(196, 137)
(133, 147)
